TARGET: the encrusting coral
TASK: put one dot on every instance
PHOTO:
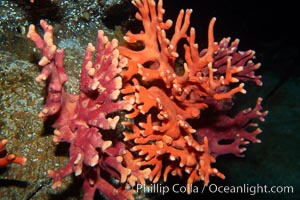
(166, 131)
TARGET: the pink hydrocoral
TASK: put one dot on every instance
(80, 119)
(219, 128)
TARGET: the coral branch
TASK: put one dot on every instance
(6, 159)
(237, 131)
(53, 70)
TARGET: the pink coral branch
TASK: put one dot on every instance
(53, 71)
(233, 130)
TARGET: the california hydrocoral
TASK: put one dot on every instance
(6, 159)
(176, 121)
(81, 119)
(168, 130)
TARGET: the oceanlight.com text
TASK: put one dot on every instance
(249, 189)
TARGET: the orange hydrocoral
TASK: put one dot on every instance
(161, 53)
(6, 159)
(176, 156)
(166, 102)
(166, 135)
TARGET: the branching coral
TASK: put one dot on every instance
(166, 131)
(168, 105)
(79, 119)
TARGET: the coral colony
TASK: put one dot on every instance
(165, 130)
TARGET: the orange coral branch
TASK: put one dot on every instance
(6, 159)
